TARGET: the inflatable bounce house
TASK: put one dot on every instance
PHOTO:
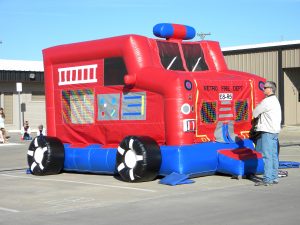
(142, 107)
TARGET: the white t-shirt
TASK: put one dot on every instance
(28, 131)
(269, 113)
(1, 122)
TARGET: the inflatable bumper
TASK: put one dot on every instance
(240, 162)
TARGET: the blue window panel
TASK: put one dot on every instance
(133, 106)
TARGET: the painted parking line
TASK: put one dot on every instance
(9, 144)
(13, 170)
(79, 182)
(9, 210)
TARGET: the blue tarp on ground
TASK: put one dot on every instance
(288, 164)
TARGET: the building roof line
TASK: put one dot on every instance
(21, 65)
(263, 45)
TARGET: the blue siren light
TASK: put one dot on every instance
(261, 85)
(175, 31)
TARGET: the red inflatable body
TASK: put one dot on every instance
(175, 91)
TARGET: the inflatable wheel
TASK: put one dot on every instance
(138, 159)
(45, 156)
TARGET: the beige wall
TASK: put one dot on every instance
(35, 110)
(264, 64)
(291, 58)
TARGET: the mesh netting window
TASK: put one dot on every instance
(194, 57)
(114, 71)
(170, 55)
(208, 112)
(241, 110)
(78, 106)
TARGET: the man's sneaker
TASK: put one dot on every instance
(282, 173)
(275, 181)
(262, 183)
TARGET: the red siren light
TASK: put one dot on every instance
(174, 31)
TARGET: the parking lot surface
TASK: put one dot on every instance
(72, 198)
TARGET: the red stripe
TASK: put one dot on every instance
(241, 153)
(179, 31)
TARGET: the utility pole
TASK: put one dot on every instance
(19, 90)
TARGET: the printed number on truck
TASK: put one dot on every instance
(225, 96)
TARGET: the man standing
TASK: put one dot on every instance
(268, 113)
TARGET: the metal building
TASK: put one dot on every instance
(29, 104)
(279, 62)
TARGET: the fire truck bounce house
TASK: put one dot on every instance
(142, 107)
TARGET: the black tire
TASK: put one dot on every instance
(45, 156)
(138, 159)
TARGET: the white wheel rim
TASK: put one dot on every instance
(130, 159)
(30, 152)
(131, 144)
(121, 150)
(39, 156)
(120, 167)
(131, 174)
(36, 144)
(33, 165)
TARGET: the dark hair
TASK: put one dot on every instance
(3, 114)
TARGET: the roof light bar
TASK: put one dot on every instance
(174, 31)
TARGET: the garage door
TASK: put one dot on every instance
(292, 96)
(8, 107)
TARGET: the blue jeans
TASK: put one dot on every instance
(267, 144)
(27, 137)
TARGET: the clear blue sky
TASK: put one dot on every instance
(28, 26)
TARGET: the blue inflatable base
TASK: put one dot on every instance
(90, 159)
(178, 162)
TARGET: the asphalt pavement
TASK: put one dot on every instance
(72, 198)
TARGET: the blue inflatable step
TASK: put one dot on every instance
(175, 179)
(239, 162)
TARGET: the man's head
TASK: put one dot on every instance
(269, 88)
